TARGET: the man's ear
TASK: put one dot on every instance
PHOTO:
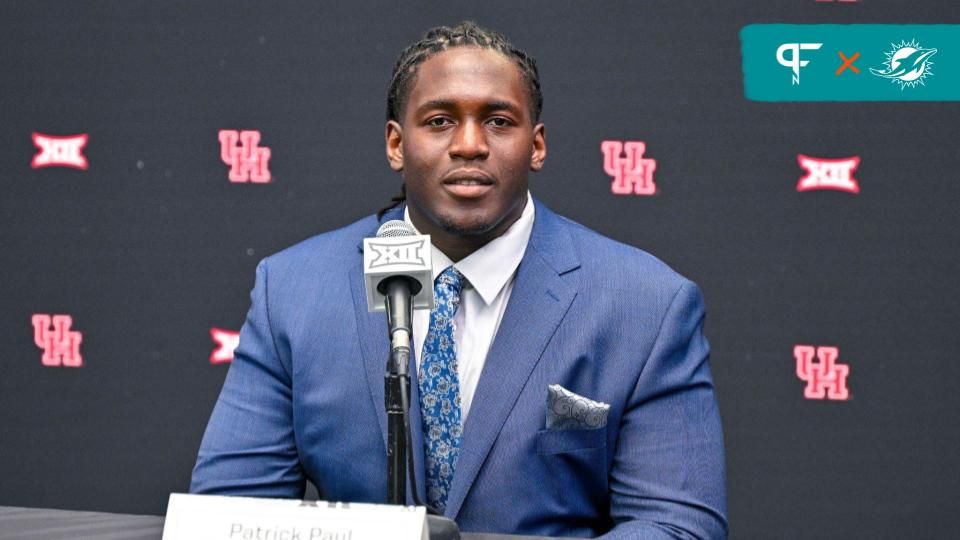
(539, 148)
(393, 136)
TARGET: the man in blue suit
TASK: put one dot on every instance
(563, 383)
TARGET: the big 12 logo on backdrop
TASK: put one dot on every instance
(226, 342)
(60, 151)
(835, 174)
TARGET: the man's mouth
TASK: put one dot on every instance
(468, 184)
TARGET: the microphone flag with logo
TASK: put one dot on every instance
(398, 250)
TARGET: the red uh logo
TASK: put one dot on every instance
(825, 378)
(61, 346)
(632, 173)
(248, 162)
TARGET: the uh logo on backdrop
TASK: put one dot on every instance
(59, 343)
(632, 173)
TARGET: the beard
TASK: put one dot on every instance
(468, 228)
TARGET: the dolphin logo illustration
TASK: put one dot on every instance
(907, 63)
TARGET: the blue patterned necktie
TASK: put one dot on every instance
(440, 390)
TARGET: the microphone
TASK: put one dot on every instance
(398, 274)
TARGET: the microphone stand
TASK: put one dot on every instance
(394, 384)
(397, 401)
(397, 386)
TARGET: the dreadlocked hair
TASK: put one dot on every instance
(465, 34)
(439, 39)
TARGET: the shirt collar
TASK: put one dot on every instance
(490, 268)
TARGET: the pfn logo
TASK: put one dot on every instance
(61, 346)
(632, 173)
(226, 342)
(829, 174)
(248, 162)
(826, 379)
(59, 151)
(794, 62)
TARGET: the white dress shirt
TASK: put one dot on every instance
(489, 273)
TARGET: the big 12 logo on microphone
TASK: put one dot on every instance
(386, 256)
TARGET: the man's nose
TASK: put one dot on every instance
(469, 142)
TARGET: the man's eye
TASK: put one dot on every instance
(499, 121)
(438, 121)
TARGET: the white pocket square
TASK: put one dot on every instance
(567, 410)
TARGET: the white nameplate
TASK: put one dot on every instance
(210, 517)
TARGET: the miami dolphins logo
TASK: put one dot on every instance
(908, 64)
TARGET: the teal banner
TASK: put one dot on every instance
(855, 62)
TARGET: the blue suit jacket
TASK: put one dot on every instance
(304, 395)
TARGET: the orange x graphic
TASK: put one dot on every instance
(848, 62)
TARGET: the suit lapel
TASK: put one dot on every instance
(374, 346)
(372, 330)
(539, 301)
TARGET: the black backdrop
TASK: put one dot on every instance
(152, 245)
